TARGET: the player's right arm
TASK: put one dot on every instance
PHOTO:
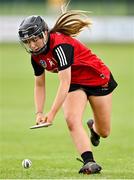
(39, 96)
(39, 90)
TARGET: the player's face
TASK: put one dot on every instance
(34, 44)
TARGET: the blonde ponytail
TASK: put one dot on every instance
(71, 23)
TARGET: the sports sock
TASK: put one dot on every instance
(87, 156)
(95, 134)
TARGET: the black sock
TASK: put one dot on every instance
(87, 157)
(95, 134)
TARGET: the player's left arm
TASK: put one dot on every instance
(64, 55)
(65, 78)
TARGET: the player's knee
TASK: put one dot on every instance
(104, 133)
(71, 125)
(72, 122)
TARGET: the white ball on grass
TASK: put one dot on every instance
(26, 163)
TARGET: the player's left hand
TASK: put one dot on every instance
(49, 117)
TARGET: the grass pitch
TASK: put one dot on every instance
(51, 150)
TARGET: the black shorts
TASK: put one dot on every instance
(97, 90)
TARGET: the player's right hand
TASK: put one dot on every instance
(39, 118)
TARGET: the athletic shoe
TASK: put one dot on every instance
(95, 138)
(90, 168)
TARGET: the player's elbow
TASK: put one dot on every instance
(39, 84)
(39, 81)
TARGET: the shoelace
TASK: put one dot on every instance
(78, 159)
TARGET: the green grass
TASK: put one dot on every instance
(97, 8)
(51, 150)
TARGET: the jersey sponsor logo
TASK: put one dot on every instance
(43, 63)
(61, 55)
(51, 63)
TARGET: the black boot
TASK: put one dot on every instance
(90, 168)
(95, 138)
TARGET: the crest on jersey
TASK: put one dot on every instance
(43, 63)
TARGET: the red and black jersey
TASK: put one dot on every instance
(64, 51)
